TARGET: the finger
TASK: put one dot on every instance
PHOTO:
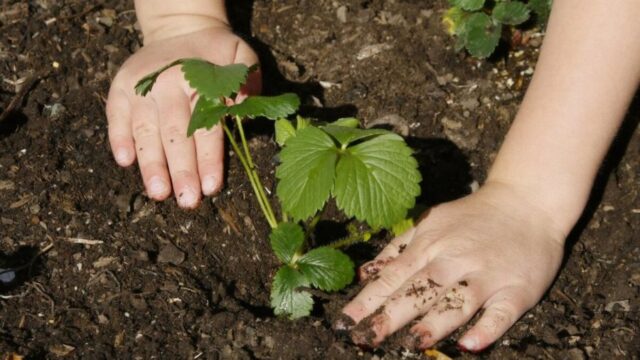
(151, 160)
(453, 309)
(391, 251)
(502, 311)
(412, 299)
(210, 155)
(253, 86)
(174, 108)
(118, 112)
(389, 279)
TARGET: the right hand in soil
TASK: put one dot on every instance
(153, 129)
(492, 251)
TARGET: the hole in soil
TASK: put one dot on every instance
(18, 267)
(12, 123)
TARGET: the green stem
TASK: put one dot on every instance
(256, 185)
(352, 239)
(253, 171)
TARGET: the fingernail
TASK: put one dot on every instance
(343, 324)
(157, 187)
(371, 330)
(418, 338)
(469, 344)
(187, 198)
(371, 269)
(209, 185)
(122, 156)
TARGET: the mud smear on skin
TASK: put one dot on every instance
(371, 271)
(363, 334)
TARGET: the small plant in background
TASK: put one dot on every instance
(370, 173)
(478, 24)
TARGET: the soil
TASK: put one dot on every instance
(131, 278)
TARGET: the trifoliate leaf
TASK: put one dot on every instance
(206, 114)
(306, 172)
(402, 226)
(286, 241)
(271, 107)
(347, 122)
(346, 135)
(511, 12)
(377, 181)
(481, 35)
(326, 268)
(469, 5)
(284, 130)
(286, 299)
(214, 81)
(145, 84)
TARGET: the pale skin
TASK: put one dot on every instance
(497, 250)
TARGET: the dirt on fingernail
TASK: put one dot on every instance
(343, 324)
(363, 334)
(371, 269)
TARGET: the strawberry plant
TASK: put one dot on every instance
(478, 24)
(370, 173)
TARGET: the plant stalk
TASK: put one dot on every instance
(255, 182)
(352, 239)
(253, 172)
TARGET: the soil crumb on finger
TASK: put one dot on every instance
(364, 333)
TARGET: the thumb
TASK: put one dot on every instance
(253, 86)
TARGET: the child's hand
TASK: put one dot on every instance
(492, 250)
(153, 129)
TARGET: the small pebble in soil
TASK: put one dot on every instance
(169, 253)
(53, 111)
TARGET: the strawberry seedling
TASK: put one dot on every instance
(478, 24)
(370, 173)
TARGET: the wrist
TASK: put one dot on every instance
(161, 20)
(554, 207)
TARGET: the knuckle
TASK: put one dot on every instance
(208, 163)
(174, 131)
(503, 314)
(185, 175)
(391, 277)
(144, 129)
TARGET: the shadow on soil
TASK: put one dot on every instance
(18, 267)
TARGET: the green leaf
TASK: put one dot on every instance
(145, 84)
(302, 122)
(285, 298)
(206, 114)
(469, 5)
(511, 12)
(377, 181)
(271, 107)
(541, 8)
(214, 81)
(402, 226)
(286, 241)
(346, 135)
(453, 20)
(481, 35)
(347, 122)
(326, 268)
(306, 172)
(284, 130)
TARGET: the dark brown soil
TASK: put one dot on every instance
(161, 282)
